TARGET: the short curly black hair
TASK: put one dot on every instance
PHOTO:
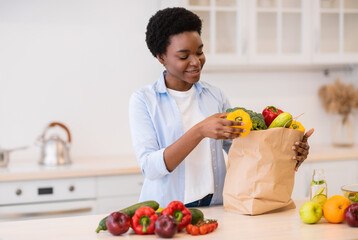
(168, 22)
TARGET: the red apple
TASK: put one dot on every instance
(351, 215)
(118, 223)
(166, 226)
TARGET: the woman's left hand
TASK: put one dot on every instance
(302, 149)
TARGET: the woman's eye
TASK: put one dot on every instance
(199, 53)
(183, 57)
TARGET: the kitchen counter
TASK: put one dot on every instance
(329, 153)
(278, 225)
(23, 170)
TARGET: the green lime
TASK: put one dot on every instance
(320, 198)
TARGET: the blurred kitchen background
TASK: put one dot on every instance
(78, 61)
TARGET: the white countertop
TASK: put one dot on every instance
(278, 225)
(22, 170)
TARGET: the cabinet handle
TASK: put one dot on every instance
(71, 188)
(18, 192)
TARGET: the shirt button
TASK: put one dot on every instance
(213, 149)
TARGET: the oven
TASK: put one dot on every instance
(21, 200)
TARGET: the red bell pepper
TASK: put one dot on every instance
(270, 113)
(143, 221)
(179, 212)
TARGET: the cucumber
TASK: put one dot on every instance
(129, 211)
(282, 120)
(196, 215)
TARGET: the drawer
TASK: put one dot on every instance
(120, 185)
(47, 190)
(47, 210)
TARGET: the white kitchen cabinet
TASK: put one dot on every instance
(278, 32)
(337, 174)
(117, 192)
(335, 31)
(224, 31)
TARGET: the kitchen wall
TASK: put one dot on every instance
(78, 62)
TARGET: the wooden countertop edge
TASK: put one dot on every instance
(68, 174)
(326, 158)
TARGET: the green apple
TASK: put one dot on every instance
(320, 198)
(311, 212)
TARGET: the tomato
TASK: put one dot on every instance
(194, 230)
(212, 227)
(188, 228)
(203, 229)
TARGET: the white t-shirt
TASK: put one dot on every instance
(199, 178)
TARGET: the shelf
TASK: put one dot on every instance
(339, 11)
(351, 11)
(283, 10)
(205, 8)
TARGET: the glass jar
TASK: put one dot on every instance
(318, 188)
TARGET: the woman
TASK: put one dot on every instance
(178, 124)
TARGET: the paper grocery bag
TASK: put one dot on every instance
(261, 172)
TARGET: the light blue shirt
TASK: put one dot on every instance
(155, 123)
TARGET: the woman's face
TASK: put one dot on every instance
(183, 60)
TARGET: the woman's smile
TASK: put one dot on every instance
(194, 73)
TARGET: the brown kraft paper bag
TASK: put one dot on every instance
(261, 172)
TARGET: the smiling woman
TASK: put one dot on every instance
(182, 129)
(183, 60)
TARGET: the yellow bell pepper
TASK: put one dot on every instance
(242, 116)
(297, 126)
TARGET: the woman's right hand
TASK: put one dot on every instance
(217, 127)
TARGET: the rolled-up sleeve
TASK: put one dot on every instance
(144, 139)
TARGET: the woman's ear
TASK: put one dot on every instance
(161, 59)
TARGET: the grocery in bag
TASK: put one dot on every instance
(260, 172)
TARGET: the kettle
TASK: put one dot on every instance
(54, 150)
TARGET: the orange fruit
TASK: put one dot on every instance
(333, 208)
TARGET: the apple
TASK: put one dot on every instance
(118, 223)
(311, 212)
(166, 226)
(320, 198)
(351, 215)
